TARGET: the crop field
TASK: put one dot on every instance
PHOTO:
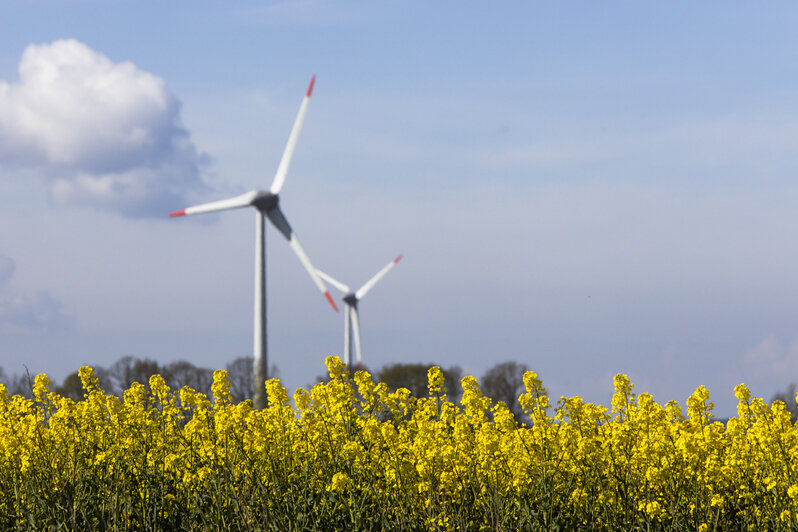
(351, 455)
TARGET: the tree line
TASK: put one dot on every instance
(502, 382)
(120, 375)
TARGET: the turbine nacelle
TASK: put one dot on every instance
(264, 201)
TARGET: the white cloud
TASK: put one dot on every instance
(106, 134)
(772, 358)
(34, 311)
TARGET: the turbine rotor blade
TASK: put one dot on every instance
(347, 337)
(337, 284)
(277, 218)
(356, 334)
(244, 200)
(363, 290)
(285, 161)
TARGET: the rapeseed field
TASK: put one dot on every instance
(349, 454)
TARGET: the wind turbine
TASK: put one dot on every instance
(267, 205)
(351, 299)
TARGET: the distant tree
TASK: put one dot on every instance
(788, 398)
(182, 373)
(451, 378)
(414, 378)
(18, 384)
(104, 378)
(410, 376)
(505, 382)
(130, 369)
(240, 373)
(72, 387)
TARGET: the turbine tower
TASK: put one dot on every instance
(267, 205)
(351, 299)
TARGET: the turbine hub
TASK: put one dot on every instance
(350, 299)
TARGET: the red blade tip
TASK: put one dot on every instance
(397, 259)
(330, 299)
(310, 87)
(177, 213)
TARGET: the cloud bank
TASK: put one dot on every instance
(772, 358)
(37, 311)
(106, 135)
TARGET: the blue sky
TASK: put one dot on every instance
(588, 189)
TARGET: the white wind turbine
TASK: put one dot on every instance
(351, 299)
(266, 204)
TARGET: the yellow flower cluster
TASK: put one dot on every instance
(351, 454)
